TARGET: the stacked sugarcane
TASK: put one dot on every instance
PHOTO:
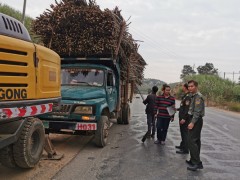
(77, 28)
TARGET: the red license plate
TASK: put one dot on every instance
(86, 126)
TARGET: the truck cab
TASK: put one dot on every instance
(92, 93)
(91, 82)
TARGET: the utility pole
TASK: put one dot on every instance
(23, 13)
(193, 67)
(231, 73)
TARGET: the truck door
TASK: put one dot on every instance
(111, 91)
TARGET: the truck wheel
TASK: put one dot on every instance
(6, 157)
(28, 149)
(126, 114)
(119, 119)
(101, 133)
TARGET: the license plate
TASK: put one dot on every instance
(86, 126)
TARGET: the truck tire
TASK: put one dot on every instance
(101, 134)
(119, 118)
(126, 114)
(6, 157)
(28, 149)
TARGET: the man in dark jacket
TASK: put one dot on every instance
(184, 120)
(150, 102)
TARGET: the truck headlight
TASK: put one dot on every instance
(83, 110)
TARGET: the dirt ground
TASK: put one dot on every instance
(64, 144)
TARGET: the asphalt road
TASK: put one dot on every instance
(126, 157)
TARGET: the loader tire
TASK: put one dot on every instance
(6, 157)
(28, 149)
(101, 134)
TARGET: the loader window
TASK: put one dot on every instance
(85, 77)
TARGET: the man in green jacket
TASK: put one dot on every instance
(196, 113)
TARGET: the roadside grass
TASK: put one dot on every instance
(217, 92)
(233, 106)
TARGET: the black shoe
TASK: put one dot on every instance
(182, 152)
(200, 166)
(195, 167)
(189, 162)
(178, 147)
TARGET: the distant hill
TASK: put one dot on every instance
(147, 85)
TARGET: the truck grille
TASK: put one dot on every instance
(63, 109)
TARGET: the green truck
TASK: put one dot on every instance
(92, 94)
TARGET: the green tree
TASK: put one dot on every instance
(186, 71)
(208, 68)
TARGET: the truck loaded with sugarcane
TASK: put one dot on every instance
(100, 67)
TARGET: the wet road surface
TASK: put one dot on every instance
(126, 157)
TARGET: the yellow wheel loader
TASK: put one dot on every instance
(29, 86)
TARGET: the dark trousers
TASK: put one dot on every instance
(194, 141)
(184, 136)
(151, 123)
(162, 128)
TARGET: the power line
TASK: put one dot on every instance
(154, 46)
(156, 43)
(167, 51)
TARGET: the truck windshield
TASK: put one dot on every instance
(77, 76)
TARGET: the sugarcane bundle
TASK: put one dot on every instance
(75, 28)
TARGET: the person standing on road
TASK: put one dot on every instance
(150, 102)
(196, 113)
(184, 120)
(163, 118)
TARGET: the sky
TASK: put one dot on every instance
(174, 33)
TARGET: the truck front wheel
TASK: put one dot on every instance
(28, 149)
(102, 132)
